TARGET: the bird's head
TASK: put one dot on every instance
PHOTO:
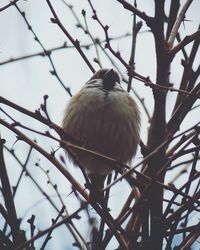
(109, 76)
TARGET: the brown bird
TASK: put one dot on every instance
(103, 118)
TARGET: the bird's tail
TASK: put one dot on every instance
(97, 184)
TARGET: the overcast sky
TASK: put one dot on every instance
(27, 81)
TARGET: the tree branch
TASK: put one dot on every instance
(8, 5)
(8, 198)
(68, 219)
(178, 22)
(137, 12)
(118, 231)
(184, 42)
(74, 42)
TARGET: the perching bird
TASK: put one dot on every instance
(103, 118)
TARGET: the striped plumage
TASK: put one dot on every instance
(105, 119)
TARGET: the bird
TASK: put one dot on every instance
(104, 118)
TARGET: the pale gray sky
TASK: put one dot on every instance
(26, 82)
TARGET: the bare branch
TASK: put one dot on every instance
(108, 218)
(8, 5)
(184, 42)
(137, 12)
(178, 22)
(116, 53)
(8, 198)
(174, 7)
(74, 42)
(50, 229)
(36, 38)
(161, 87)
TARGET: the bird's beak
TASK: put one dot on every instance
(109, 80)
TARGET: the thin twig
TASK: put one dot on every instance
(74, 42)
(137, 12)
(71, 227)
(178, 22)
(118, 231)
(50, 229)
(184, 42)
(8, 198)
(116, 54)
(47, 53)
(8, 5)
(87, 31)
